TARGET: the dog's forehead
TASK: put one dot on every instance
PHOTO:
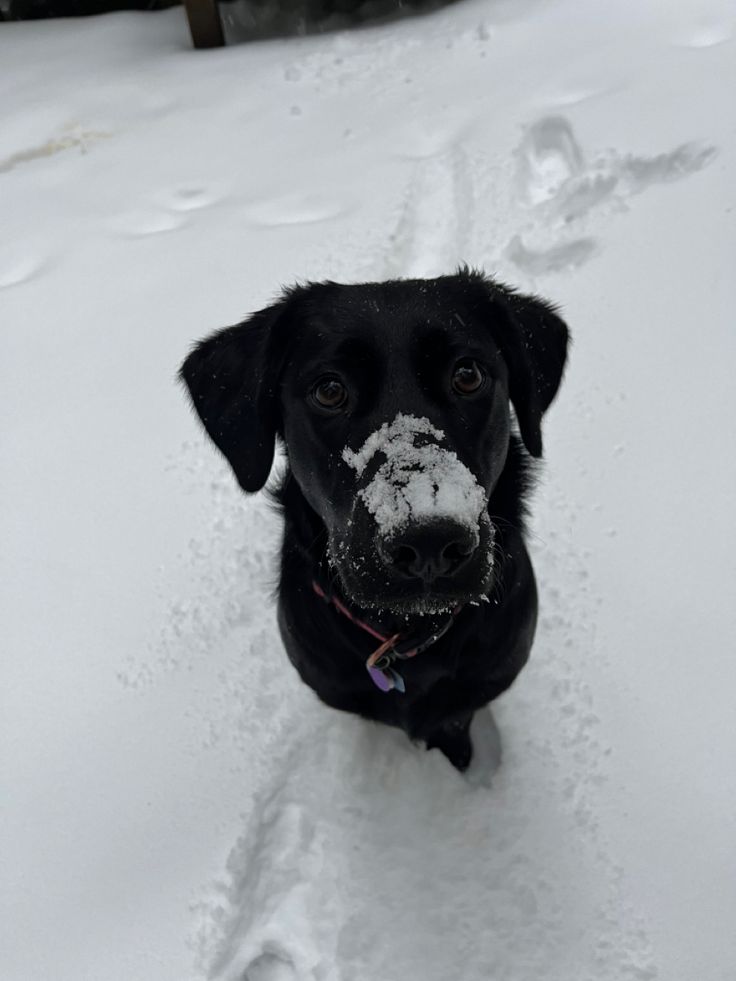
(387, 315)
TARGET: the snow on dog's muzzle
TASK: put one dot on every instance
(426, 504)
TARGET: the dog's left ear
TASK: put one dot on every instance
(533, 341)
(231, 377)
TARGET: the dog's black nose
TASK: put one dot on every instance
(427, 552)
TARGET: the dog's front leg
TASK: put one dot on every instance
(452, 738)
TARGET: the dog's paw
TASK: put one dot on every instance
(453, 741)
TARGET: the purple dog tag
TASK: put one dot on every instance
(379, 679)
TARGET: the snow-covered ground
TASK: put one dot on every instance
(175, 804)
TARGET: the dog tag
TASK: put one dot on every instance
(386, 679)
(380, 679)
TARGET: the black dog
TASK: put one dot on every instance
(406, 592)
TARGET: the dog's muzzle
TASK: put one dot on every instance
(419, 533)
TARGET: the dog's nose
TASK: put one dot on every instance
(429, 551)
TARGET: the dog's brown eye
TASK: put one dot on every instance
(467, 377)
(330, 393)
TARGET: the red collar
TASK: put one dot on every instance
(380, 663)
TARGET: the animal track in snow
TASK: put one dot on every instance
(167, 211)
(638, 173)
(16, 269)
(549, 155)
(336, 874)
(275, 917)
(551, 168)
(188, 197)
(137, 224)
(431, 233)
(293, 209)
(271, 965)
(537, 262)
(562, 189)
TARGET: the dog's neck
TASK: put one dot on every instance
(306, 539)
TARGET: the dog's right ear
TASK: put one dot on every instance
(232, 382)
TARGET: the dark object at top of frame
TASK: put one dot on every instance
(214, 23)
(39, 9)
(203, 15)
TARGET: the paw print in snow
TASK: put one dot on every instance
(561, 189)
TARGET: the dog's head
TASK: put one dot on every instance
(392, 400)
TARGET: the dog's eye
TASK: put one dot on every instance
(330, 393)
(467, 377)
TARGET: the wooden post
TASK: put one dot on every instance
(204, 23)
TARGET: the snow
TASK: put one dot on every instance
(176, 804)
(418, 480)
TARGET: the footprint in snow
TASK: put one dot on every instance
(561, 187)
(638, 173)
(17, 269)
(137, 224)
(293, 209)
(168, 211)
(188, 197)
(537, 262)
(278, 877)
(555, 177)
(548, 156)
(431, 233)
(270, 966)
